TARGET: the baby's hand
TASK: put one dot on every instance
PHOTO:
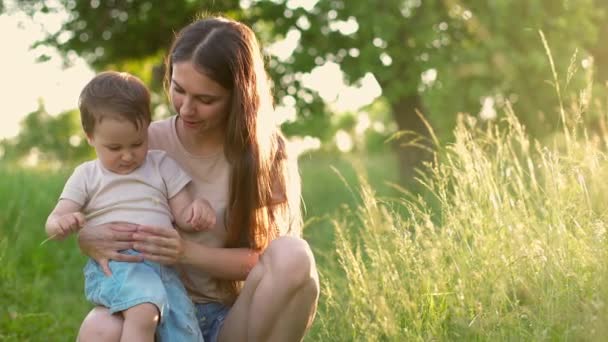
(68, 223)
(202, 215)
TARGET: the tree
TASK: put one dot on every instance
(54, 138)
(389, 39)
(599, 48)
(476, 48)
(131, 35)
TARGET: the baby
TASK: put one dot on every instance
(128, 183)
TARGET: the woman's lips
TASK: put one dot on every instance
(191, 124)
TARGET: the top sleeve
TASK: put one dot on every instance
(173, 175)
(75, 188)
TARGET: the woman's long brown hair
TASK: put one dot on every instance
(264, 198)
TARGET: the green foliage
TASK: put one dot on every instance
(98, 30)
(50, 139)
(477, 44)
(506, 59)
(315, 123)
(478, 49)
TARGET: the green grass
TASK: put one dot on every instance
(41, 287)
(507, 243)
(330, 185)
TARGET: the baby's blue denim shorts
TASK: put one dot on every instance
(134, 283)
(211, 316)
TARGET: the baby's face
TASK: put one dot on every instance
(119, 145)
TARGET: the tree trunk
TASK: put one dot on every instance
(600, 54)
(414, 144)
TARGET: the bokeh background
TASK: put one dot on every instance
(452, 155)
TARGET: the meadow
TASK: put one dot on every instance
(506, 242)
(41, 286)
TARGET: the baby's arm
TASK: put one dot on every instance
(64, 219)
(191, 215)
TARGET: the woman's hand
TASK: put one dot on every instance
(159, 244)
(103, 242)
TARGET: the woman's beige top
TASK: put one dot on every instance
(210, 179)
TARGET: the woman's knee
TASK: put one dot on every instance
(291, 259)
(100, 325)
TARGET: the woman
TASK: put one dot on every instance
(225, 137)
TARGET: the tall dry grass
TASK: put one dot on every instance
(508, 243)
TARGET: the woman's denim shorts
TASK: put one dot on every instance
(211, 317)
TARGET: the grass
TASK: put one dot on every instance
(330, 186)
(41, 287)
(508, 242)
(513, 246)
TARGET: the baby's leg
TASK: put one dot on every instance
(140, 323)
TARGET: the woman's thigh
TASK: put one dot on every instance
(284, 277)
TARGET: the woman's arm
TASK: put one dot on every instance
(167, 247)
(103, 243)
(222, 263)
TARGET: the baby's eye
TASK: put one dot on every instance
(113, 148)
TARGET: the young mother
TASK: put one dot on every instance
(224, 135)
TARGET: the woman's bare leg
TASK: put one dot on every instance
(100, 325)
(279, 299)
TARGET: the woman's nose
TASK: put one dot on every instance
(187, 107)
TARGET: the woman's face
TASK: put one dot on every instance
(201, 103)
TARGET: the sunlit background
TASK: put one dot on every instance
(502, 238)
(346, 78)
(39, 75)
(26, 80)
